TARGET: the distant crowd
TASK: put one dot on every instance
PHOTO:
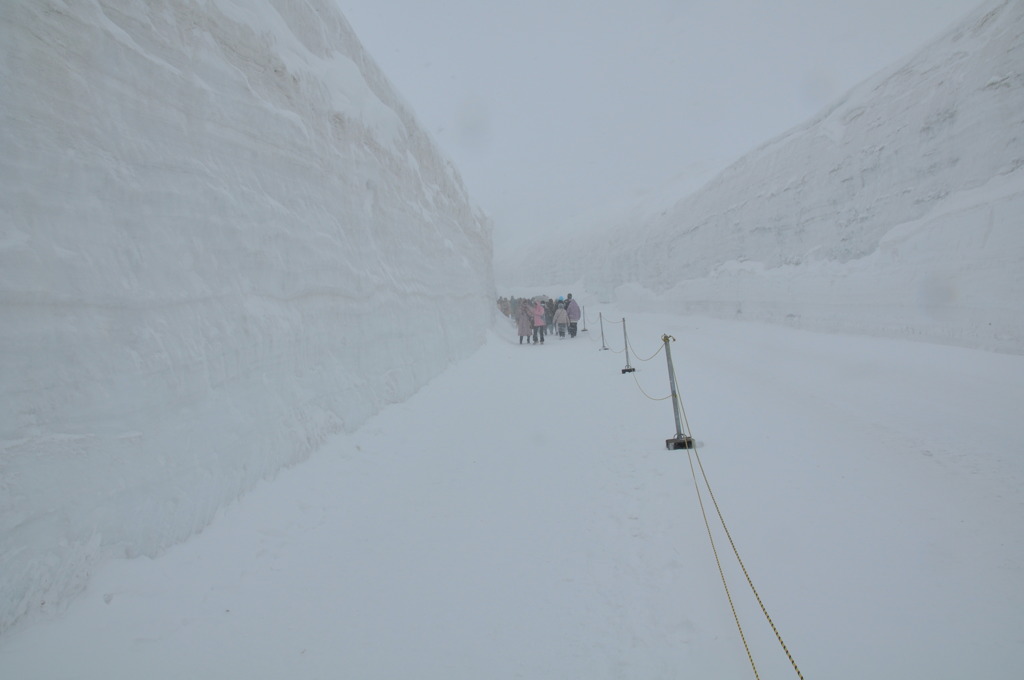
(539, 316)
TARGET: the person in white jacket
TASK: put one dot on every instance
(573, 309)
(561, 320)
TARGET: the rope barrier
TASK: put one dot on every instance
(707, 483)
(721, 572)
(683, 428)
(693, 453)
(660, 349)
(750, 582)
(647, 395)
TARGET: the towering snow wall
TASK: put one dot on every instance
(897, 212)
(222, 238)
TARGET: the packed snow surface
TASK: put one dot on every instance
(222, 239)
(896, 212)
(520, 517)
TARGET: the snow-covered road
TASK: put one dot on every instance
(520, 517)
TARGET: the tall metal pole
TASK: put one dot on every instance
(625, 339)
(680, 441)
(600, 317)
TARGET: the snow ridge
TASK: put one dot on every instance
(223, 237)
(895, 212)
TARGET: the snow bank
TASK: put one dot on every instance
(895, 212)
(222, 238)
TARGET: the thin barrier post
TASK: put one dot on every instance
(680, 440)
(584, 329)
(600, 317)
(625, 339)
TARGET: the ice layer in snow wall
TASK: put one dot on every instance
(223, 238)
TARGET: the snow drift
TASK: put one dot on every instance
(222, 238)
(895, 212)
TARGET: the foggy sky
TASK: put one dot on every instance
(555, 110)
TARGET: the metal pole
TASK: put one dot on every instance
(584, 329)
(625, 339)
(600, 317)
(680, 441)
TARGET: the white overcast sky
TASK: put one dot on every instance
(555, 110)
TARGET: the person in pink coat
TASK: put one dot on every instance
(538, 322)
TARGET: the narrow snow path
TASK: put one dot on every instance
(521, 518)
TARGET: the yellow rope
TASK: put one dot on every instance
(735, 551)
(750, 582)
(660, 349)
(645, 393)
(721, 572)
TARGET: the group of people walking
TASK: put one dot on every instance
(534, 316)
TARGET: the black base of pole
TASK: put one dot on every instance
(628, 369)
(680, 442)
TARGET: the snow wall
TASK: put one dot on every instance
(222, 238)
(895, 212)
